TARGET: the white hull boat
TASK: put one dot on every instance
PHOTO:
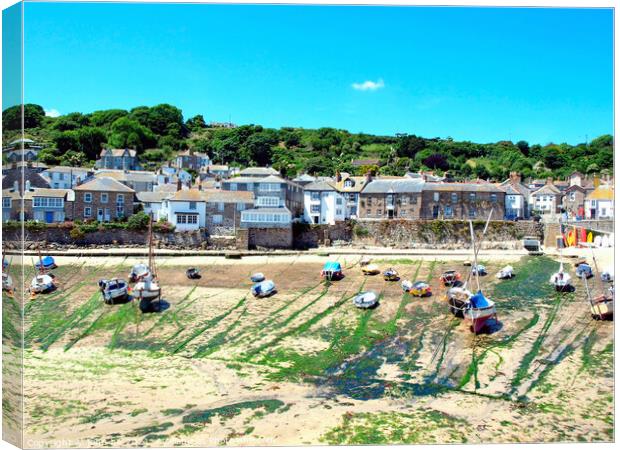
(257, 277)
(263, 289)
(561, 281)
(366, 300)
(139, 272)
(505, 273)
(7, 282)
(113, 291)
(41, 284)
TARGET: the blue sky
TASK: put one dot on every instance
(470, 73)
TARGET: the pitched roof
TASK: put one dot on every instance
(401, 185)
(103, 184)
(153, 197)
(187, 195)
(320, 186)
(359, 183)
(10, 193)
(44, 192)
(67, 169)
(520, 188)
(547, 189)
(139, 176)
(217, 195)
(365, 162)
(603, 192)
(29, 174)
(461, 187)
(117, 152)
(263, 171)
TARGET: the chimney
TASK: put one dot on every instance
(515, 177)
(549, 180)
(200, 186)
(596, 181)
(15, 186)
(179, 185)
(27, 185)
(368, 176)
(338, 176)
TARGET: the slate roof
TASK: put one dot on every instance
(187, 195)
(547, 189)
(402, 185)
(319, 186)
(461, 187)
(103, 184)
(262, 171)
(153, 197)
(217, 195)
(136, 176)
(30, 174)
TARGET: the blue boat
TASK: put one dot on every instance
(46, 263)
(332, 270)
(264, 289)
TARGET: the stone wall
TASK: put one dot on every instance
(268, 238)
(312, 236)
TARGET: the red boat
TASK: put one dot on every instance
(449, 277)
(478, 311)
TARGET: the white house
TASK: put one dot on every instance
(170, 175)
(62, 177)
(599, 203)
(547, 199)
(323, 204)
(186, 209)
(152, 202)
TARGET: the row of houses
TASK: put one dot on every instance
(259, 197)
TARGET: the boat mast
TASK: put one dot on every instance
(151, 259)
(473, 243)
(40, 260)
(484, 232)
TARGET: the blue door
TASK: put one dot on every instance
(49, 216)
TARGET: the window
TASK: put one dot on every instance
(435, 196)
(270, 187)
(6, 202)
(61, 176)
(338, 200)
(315, 196)
(88, 197)
(348, 183)
(339, 212)
(352, 198)
(268, 201)
(192, 205)
(87, 212)
(493, 197)
(104, 197)
(233, 186)
(216, 219)
(120, 199)
(571, 196)
(472, 213)
(240, 206)
(472, 196)
(404, 199)
(379, 212)
(47, 202)
(189, 219)
(315, 208)
(368, 212)
(448, 211)
(415, 199)
(454, 197)
(220, 206)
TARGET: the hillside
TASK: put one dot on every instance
(160, 131)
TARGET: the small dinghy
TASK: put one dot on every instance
(602, 307)
(147, 289)
(332, 270)
(366, 300)
(505, 273)
(391, 275)
(584, 270)
(114, 290)
(561, 281)
(478, 311)
(264, 289)
(45, 263)
(449, 277)
(365, 261)
(607, 275)
(371, 269)
(41, 284)
(257, 277)
(138, 272)
(478, 269)
(420, 289)
(457, 298)
(7, 282)
(406, 285)
(192, 273)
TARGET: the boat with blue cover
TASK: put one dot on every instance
(45, 263)
(332, 270)
(264, 289)
(478, 310)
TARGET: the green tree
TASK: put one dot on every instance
(33, 117)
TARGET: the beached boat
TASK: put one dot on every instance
(391, 275)
(332, 270)
(561, 281)
(257, 277)
(45, 263)
(365, 261)
(371, 269)
(366, 300)
(584, 270)
(457, 297)
(532, 245)
(478, 269)
(478, 311)
(41, 284)
(607, 275)
(264, 289)
(7, 282)
(602, 305)
(449, 277)
(505, 273)
(192, 273)
(114, 290)
(138, 272)
(420, 289)
(406, 285)
(147, 288)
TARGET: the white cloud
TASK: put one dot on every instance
(52, 112)
(369, 85)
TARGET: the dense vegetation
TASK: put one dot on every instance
(158, 132)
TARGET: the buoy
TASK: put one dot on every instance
(590, 237)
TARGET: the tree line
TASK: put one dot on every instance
(158, 132)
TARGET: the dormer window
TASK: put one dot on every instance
(348, 183)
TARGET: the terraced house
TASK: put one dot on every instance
(391, 198)
(63, 177)
(350, 187)
(323, 203)
(49, 205)
(103, 199)
(118, 159)
(138, 180)
(224, 209)
(462, 201)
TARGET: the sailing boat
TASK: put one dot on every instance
(7, 281)
(479, 309)
(561, 279)
(42, 282)
(147, 288)
(458, 296)
(601, 306)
